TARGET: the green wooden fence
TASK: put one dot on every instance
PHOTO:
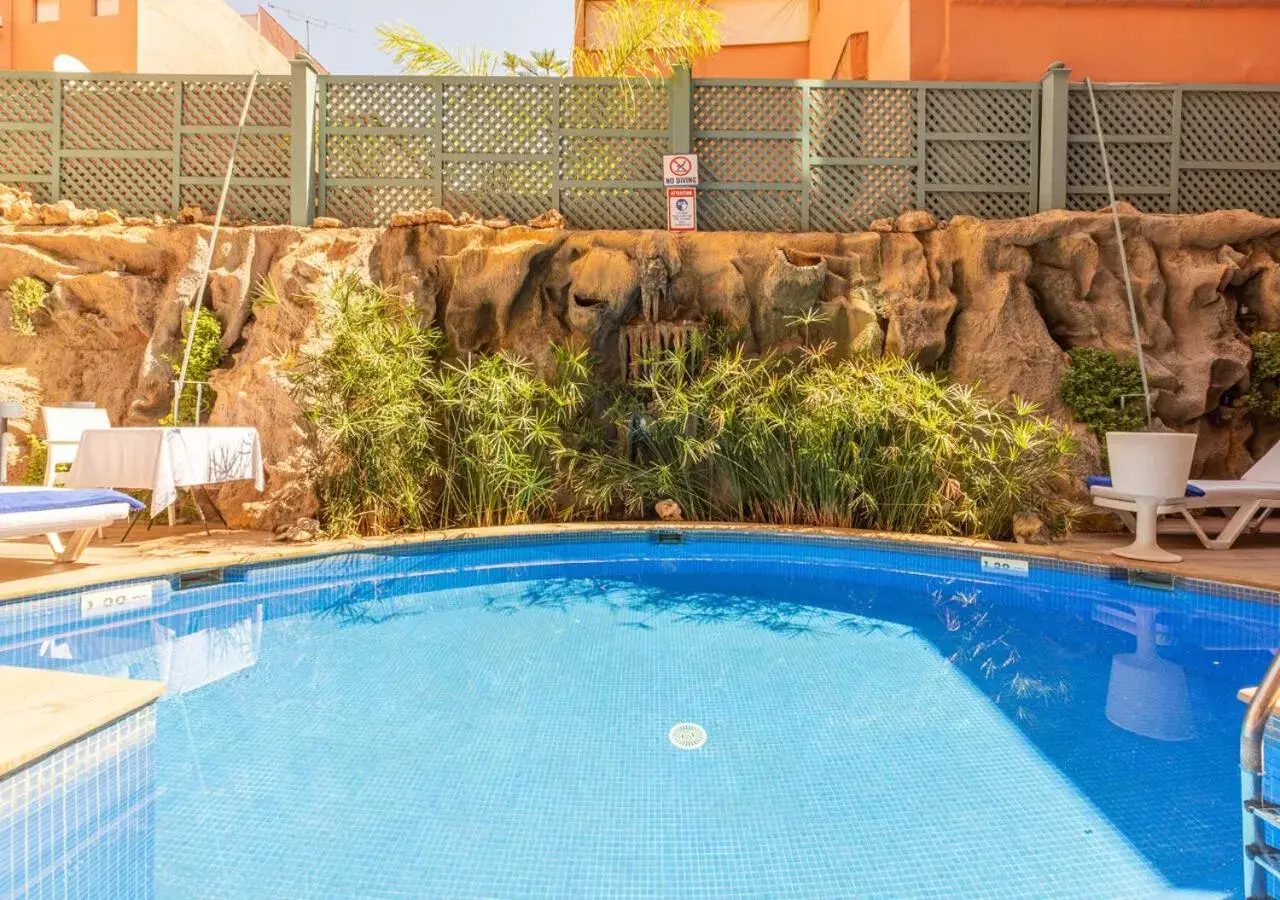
(775, 155)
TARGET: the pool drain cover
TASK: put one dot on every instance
(687, 735)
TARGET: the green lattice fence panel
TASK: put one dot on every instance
(832, 156)
(1138, 125)
(864, 143)
(1229, 149)
(379, 141)
(494, 147)
(27, 133)
(611, 138)
(145, 145)
(117, 142)
(211, 110)
(980, 147)
(498, 143)
(749, 137)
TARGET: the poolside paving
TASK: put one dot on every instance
(27, 567)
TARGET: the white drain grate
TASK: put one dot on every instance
(687, 735)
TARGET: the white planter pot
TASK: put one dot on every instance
(1152, 468)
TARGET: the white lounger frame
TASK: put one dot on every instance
(1247, 517)
(82, 522)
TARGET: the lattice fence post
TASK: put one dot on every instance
(681, 109)
(1054, 93)
(302, 121)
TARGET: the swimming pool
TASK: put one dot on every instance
(491, 718)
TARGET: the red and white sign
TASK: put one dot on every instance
(680, 170)
(682, 209)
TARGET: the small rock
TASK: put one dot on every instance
(668, 511)
(60, 213)
(434, 215)
(497, 224)
(18, 209)
(1029, 528)
(466, 218)
(914, 220)
(884, 226)
(134, 221)
(190, 215)
(326, 222)
(549, 219)
(110, 217)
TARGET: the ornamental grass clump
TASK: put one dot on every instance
(27, 297)
(871, 443)
(406, 440)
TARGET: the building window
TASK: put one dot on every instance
(47, 10)
(106, 7)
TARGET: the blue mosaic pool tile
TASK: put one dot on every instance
(79, 824)
(860, 745)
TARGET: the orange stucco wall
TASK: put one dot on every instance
(887, 24)
(756, 61)
(1107, 40)
(103, 43)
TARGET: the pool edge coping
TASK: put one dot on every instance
(62, 580)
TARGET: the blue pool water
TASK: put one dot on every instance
(490, 719)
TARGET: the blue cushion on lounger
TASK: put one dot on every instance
(66, 498)
(1105, 481)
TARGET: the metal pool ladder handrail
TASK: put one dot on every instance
(1259, 859)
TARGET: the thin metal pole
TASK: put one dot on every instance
(1124, 258)
(213, 242)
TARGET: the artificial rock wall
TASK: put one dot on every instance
(997, 303)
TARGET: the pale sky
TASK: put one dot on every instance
(497, 25)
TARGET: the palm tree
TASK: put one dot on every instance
(646, 38)
(637, 38)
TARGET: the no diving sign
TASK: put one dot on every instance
(680, 170)
(682, 209)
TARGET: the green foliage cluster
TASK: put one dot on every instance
(37, 456)
(867, 442)
(206, 353)
(27, 296)
(1093, 386)
(1263, 398)
(406, 439)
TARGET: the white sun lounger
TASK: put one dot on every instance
(1253, 497)
(81, 522)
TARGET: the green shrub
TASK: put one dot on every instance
(406, 440)
(872, 443)
(37, 456)
(206, 353)
(27, 296)
(1093, 386)
(1263, 398)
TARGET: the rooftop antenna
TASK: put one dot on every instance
(307, 21)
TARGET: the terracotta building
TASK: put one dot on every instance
(990, 40)
(195, 37)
